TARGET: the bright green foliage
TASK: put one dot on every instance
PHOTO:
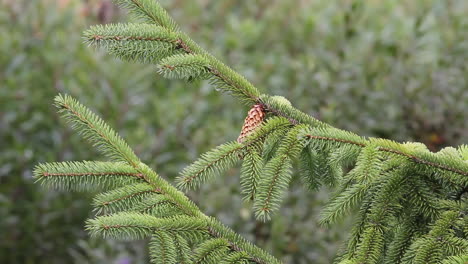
(369, 82)
(250, 173)
(127, 225)
(149, 12)
(308, 169)
(157, 205)
(92, 128)
(162, 248)
(143, 42)
(276, 174)
(461, 259)
(122, 198)
(184, 67)
(225, 156)
(463, 150)
(211, 251)
(403, 237)
(182, 249)
(411, 202)
(210, 164)
(272, 142)
(270, 127)
(227, 80)
(139, 203)
(236, 258)
(86, 175)
(169, 247)
(440, 242)
(150, 43)
(282, 108)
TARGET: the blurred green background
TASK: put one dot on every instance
(392, 69)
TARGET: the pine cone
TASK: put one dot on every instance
(254, 119)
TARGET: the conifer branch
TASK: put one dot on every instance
(86, 175)
(236, 257)
(438, 161)
(393, 184)
(130, 218)
(250, 173)
(228, 80)
(158, 206)
(307, 169)
(460, 259)
(183, 250)
(210, 163)
(150, 12)
(225, 156)
(277, 174)
(163, 248)
(132, 225)
(280, 106)
(211, 251)
(143, 42)
(184, 67)
(95, 130)
(122, 198)
(223, 77)
(439, 243)
(343, 203)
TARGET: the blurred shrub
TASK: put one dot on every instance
(394, 69)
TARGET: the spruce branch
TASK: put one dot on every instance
(223, 77)
(123, 198)
(159, 206)
(280, 106)
(211, 251)
(439, 243)
(111, 144)
(250, 173)
(176, 213)
(404, 236)
(216, 229)
(257, 255)
(183, 250)
(307, 169)
(210, 164)
(163, 248)
(236, 258)
(425, 158)
(319, 168)
(95, 130)
(149, 11)
(277, 174)
(143, 42)
(371, 245)
(73, 175)
(225, 156)
(463, 151)
(358, 227)
(132, 225)
(270, 126)
(460, 259)
(228, 80)
(272, 142)
(342, 204)
(394, 184)
(419, 196)
(184, 67)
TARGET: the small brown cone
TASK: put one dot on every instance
(254, 119)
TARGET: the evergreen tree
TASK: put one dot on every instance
(411, 203)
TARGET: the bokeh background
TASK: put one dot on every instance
(392, 69)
